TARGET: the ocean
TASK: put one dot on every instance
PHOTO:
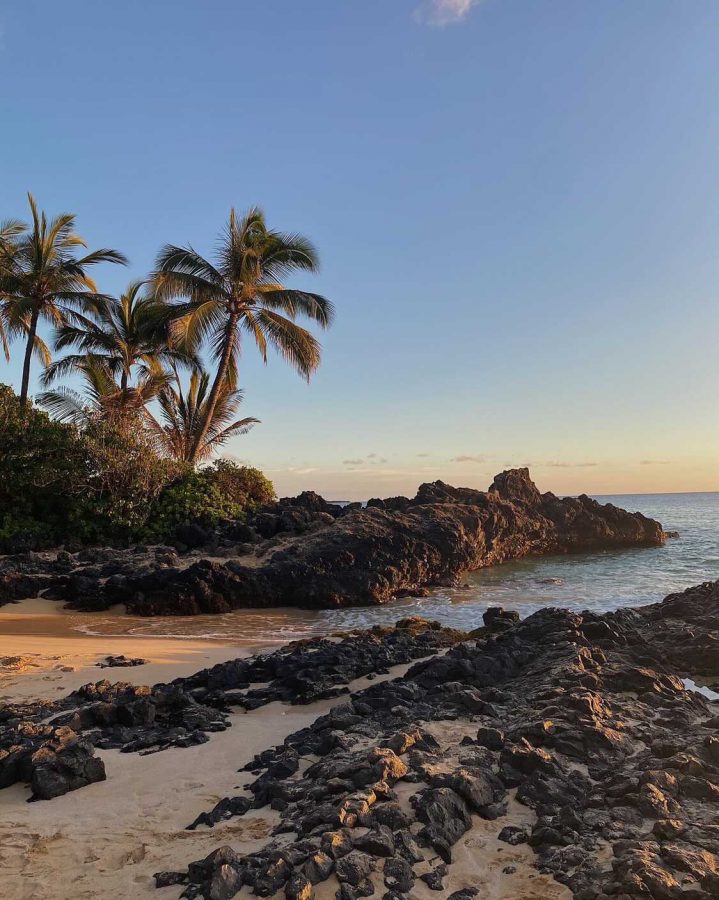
(596, 581)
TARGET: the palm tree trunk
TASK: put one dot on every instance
(123, 390)
(28, 355)
(220, 377)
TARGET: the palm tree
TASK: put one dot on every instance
(104, 398)
(10, 231)
(184, 417)
(243, 292)
(127, 333)
(45, 280)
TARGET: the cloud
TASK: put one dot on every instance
(655, 462)
(372, 460)
(467, 459)
(555, 464)
(443, 12)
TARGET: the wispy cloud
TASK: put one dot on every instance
(655, 462)
(443, 12)
(550, 464)
(373, 459)
(557, 464)
(468, 459)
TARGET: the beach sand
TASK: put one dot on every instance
(106, 840)
(43, 655)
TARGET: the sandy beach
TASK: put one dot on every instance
(108, 839)
(42, 654)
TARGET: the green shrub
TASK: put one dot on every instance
(105, 483)
(243, 484)
(126, 478)
(44, 469)
(196, 499)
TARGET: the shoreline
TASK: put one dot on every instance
(43, 654)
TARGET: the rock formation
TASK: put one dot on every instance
(310, 554)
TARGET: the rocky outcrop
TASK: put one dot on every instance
(315, 555)
(51, 759)
(51, 744)
(372, 555)
(579, 715)
(582, 719)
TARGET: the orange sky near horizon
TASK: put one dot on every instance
(700, 474)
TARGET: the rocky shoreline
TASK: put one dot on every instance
(308, 553)
(579, 721)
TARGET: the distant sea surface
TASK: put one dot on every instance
(596, 581)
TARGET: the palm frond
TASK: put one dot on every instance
(295, 303)
(41, 350)
(64, 404)
(183, 412)
(294, 344)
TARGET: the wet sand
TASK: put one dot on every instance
(43, 655)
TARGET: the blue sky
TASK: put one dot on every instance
(516, 204)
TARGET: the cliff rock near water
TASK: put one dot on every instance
(311, 554)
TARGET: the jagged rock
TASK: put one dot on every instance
(446, 817)
(167, 879)
(202, 869)
(477, 788)
(299, 888)
(113, 662)
(513, 834)
(224, 883)
(353, 868)
(398, 875)
(272, 877)
(336, 843)
(352, 557)
(491, 738)
(319, 866)
(377, 842)
(435, 879)
(63, 763)
(407, 847)
(498, 619)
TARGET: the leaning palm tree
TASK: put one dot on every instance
(183, 417)
(45, 280)
(103, 398)
(243, 292)
(129, 334)
(10, 231)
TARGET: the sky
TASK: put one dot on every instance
(516, 205)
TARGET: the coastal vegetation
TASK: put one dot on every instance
(114, 456)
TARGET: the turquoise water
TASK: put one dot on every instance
(598, 581)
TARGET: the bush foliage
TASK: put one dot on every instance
(105, 483)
